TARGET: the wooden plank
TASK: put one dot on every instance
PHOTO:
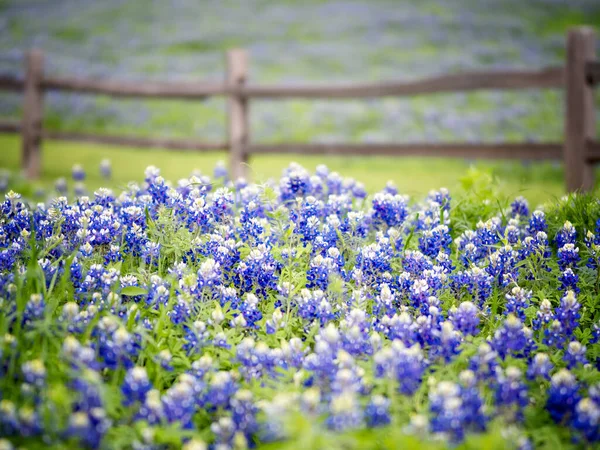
(237, 113)
(537, 151)
(32, 114)
(551, 77)
(592, 72)
(580, 116)
(11, 83)
(10, 126)
(134, 141)
(116, 88)
(593, 151)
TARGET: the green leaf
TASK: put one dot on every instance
(133, 290)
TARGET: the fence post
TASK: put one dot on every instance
(580, 116)
(32, 114)
(238, 122)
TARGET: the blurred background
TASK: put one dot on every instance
(293, 42)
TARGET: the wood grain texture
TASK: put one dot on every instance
(580, 116)
(237, 113)
(551, 77)
(593, 151)
(550, 150)
(117, 88)
(31, 127)
(10, 83)
(10, 126)
(592, 72)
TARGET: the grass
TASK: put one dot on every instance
(538, 182)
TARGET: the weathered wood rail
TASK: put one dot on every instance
(578, 77)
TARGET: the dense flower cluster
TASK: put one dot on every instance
(217, 312)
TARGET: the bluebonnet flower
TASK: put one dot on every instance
(79, 189)
(250, 311)
(78, 173)
(30, 422)
(293, 352)
(405, 364)
(575, 354)
(151, 252)
(220, 390)
(196, 336)
(544, 315)
(105, 169)
(517, 302)
(595, 333)
(34, 309)
(554, 335)
(88, 427)
(519, 207)
(568, 280)
(313, 305)
(472, 402)
(449, 341)
(136, 385)
(568, 256)
(377, 412)
(540, 366)
(466, 318)
(536, 249)
(344, 412)
(221, 171)
(296, 183)
(224, 431)
(435, 240)
(258, 272)
(563, 396)
(114, 344)
(321, 268)
(537, 223)
(511, 338)
(566, 235)
(178, 403)
(476, 281)
(512, 234)
(445, 405)
(567, 313)
(511, 393)
(401, 327)
(256, 359)
(586, 420)
(9, 419)
(209, 274)
(243, 413)
(592, 242)
(34, 372)
(391, 209)
(61, 185)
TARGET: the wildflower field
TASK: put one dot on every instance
(210, 313)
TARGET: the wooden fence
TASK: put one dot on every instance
(578, 77)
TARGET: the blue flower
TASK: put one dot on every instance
(466, 318)
(377, 412)
(587, 420)
(540, 367)
(566, 235)
(34, 372)
(563, 396)
(136, 386)
(575, 354)
(517, 302)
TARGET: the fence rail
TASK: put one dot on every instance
(578, 77)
